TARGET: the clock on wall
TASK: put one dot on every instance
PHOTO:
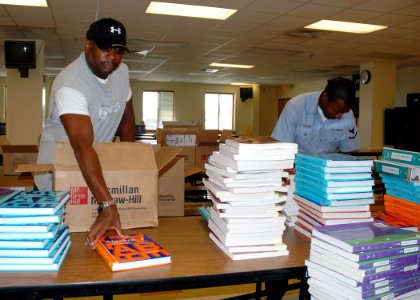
(365, 76)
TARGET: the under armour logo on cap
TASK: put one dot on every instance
(107, 33)
(115, 30)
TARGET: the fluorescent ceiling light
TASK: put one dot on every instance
(241, 83)
(195, 11)
(345, 26)
(41, 3)
(231, 66)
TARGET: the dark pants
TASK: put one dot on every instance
(276, 289)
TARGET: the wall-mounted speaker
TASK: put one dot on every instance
(413, 101)
(245, 93)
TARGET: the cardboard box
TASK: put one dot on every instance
(177, 137)
(171, 189)
(188, 154)
(207, 136)
(202, 153)
(14, 155)
(132, 179)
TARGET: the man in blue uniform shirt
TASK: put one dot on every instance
(321, 122)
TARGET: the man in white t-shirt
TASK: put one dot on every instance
(91, 101)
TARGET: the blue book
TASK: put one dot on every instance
(316, 192)
(46, 251)
(33, 203)
(50, 259)
(307, 183)
(334, 160)
(396, 169)
(332, 202)
(334, 169)
(55, 266)
(301, 175)
(4, 236)
(366, 236)
(32, 219)
(307, 170)
(402, 156)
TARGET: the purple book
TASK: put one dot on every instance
(398, 259)
(366, 236)
(395, 286)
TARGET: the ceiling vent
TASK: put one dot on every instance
(304, 33)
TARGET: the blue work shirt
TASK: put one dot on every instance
(303, 122)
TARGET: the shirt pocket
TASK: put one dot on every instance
(305, 133)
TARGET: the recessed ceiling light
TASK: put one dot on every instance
(231, 66)
(351, 27)
(195, 11)
(41, 3)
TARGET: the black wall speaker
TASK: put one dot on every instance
(413, 100)
(245, 93)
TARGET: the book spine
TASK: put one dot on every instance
(402, 156)
(386, 252)
(393, 169)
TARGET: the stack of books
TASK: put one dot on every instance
(372, 260)
(245, 185)
(332, 189)
(33, 236)
(400, 173)
(291, 208)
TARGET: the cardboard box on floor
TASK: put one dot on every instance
(14, 155)
(207, 142)
(131, 171)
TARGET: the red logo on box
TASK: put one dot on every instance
(78, 195)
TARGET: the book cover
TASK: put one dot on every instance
(42, 227)
(333, 202)
(371, 266)
(45, 251)
(279, 155)
(366, 236)
(337, 214)
(33, 203)
(229, 182)
(334, 160)
(258, 142)
(317, 271)
(236, 253)
(394, 220)
(55, 266)
(135, 251)
(364, 255)
(400, 170)
(278, 199)
(32, 219)
(246, 188)
(252, 221)
(361, 274)
(402, 156)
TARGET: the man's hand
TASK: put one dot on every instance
(108, 219)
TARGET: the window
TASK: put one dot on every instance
(158, 106)
(218, 111)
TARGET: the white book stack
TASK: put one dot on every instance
(246, 185)
(291, 207)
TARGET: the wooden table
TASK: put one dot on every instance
(196, 263)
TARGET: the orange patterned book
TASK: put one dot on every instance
(133, 252)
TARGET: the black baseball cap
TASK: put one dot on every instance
(107, 33)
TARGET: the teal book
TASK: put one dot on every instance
(328, 196)
(322, 175)
(32, 220)
(333, 169)
(33, 203)
(334, 160)
(396, 169)
(45, 251)
(307, 183)
(302, 175)
(401, 156)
